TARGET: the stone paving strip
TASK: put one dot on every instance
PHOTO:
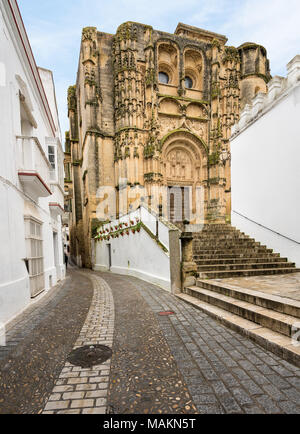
(79, 390)
(224, 371)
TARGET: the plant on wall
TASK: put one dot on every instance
(119, 229)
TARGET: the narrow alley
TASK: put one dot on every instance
(167, 357)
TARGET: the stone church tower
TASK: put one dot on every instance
(156, 110)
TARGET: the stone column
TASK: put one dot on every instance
(188, 267)
(174, 248)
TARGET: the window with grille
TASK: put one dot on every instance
(35, 258)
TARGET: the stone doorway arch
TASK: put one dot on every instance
(184, 166)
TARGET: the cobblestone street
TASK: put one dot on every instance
(185, 363)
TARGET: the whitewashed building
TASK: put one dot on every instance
(265, 148)
(31, 172)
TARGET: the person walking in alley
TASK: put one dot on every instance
(66, 259)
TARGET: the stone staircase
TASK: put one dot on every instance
(270, 320)
(222, 251)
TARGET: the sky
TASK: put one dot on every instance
(54, 28)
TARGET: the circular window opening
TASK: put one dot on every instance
(163, 78)
(188, 83)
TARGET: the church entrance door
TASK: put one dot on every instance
(179, 203)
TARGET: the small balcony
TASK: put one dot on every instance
(56, 205)
(33, 167)
(56, 209)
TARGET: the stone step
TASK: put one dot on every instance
(231, 251)
(225, 243)
(245, 266)
(227, 246)
(223, 239)
(220, 234)
(279, 322)
(219, 231)
(262, 259)
(205, 256)
(277, 303)
(246, 273)
(229, 236)
(213, 227)
(269, 339)
(222, 242)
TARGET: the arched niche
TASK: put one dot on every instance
(168, 61)
(194, 67)
(184, 158)
(179, 163)
(195, 110)
(170, 106)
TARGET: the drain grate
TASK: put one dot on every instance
(168, 313)
(90, 355)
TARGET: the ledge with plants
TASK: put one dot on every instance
(120, 229)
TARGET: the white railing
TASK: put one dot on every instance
(140, 244)
(32, 157)
(158, 226)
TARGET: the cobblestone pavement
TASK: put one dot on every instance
(144, 376)
(25, 323)
(79, 390)
(38, 344)
(224, 371)
(183, 363)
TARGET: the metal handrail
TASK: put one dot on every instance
(265, 227)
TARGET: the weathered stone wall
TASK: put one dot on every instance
(132, 125)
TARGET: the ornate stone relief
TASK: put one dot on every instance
(179, 165)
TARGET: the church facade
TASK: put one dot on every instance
(150, 122)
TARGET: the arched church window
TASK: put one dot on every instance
(163, 78)
(188, 82)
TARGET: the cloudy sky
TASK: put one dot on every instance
(54, 28)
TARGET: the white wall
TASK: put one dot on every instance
(15, 204)
(138, 254)
(285, 247)
(14, 281)
(265, 171)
